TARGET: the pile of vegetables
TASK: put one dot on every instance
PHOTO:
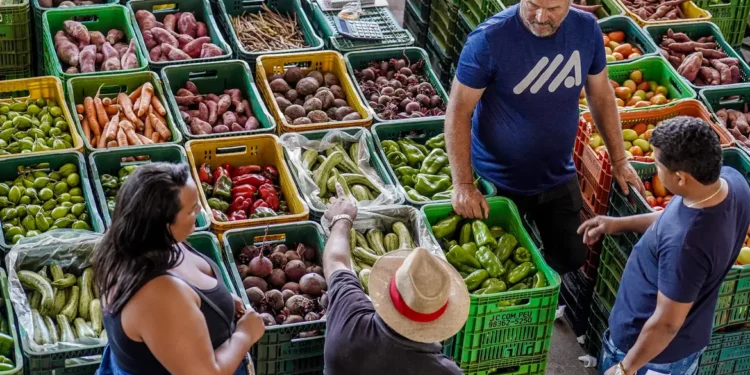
(111, 184)
(190, 41)
(616, 49)
(244, 192)
(636, 92)
(6, 341)
(656, 10)
(268, 31)
(65, 307)
(657, 196)
(367, 248)
(62, 4)
(128, 120)
(316, 97)
(39, 200)
(737, 123)
(33, 125)
(488, 258)
(702, 62)
(285, 286)
(208, 114)
(84, 51)
(422, 169)
(635, 140)
(398, 89)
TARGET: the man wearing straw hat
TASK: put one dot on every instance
(418, 300)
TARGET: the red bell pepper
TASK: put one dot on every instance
(229, 168)
(204, 174)
(271, 172)
(269, 195)
(246, 169)
(219, 216)
(259, 203)
(220, 172)
(240, 204)
(238, 215)
(245, 191)
(249, 179)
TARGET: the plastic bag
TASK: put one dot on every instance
(73, 251)
(296, 144)
(384, 217)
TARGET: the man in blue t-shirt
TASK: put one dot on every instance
(663, 314)
(521, 73)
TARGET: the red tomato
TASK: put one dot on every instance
(651, 201)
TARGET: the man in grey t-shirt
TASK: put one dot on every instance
(418, 300)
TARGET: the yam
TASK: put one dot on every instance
(115, 36)
(170, 22)
(111, 58)
(193, 49)
(174, 53)
(201, 30)
(164, 37)
(187, 24)
(78, 31)
(198, 126)
(88, 59)
(690, 65)
(97, 39)
(210, 50)
(129, 59)
(145, 19)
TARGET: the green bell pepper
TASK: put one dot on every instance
(110, 182)
(520, 272)
(208, 189)
(406, 171)
(443, 195)
(435, 160)
(489, 282)
(446, 227)
(497, 286)
(475, 279)
(223, 187)
(458, 255)
(218, 204)
(521, 255)
(111, 204)
(126, 170)
(414, 156)
(508, 265)
(482, 235)
(489, 261)
(465, 236)
(449, 244)
(445, 170)
(471, 247)
(406, 180)
(435, 142)
(505, 246)
(389, 146)
(496, 231)
(539, 281)
(415, 196)
(429, 185)
(396, 159)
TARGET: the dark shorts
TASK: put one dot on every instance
(556, 214)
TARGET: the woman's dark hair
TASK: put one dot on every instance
(139, 242)
(688, 144)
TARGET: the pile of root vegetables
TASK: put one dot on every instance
(737, 123)
(656, 10)
(268, 31)
(65, 4)
(133, 119)
(702, 62)
(84, 51)
(399, 89)
(211, 114)
(284, 285)
(309, 99)
(179, 37)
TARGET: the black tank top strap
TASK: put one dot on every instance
(208, 302)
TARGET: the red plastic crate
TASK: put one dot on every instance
(593, 253)
(594, 171)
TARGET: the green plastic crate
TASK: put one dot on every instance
(633, 35)
(215, 77)
(496, 336)
(420, 132)
(360, 60)
(537, 367)
(416, 25)
(695, 30)
(279, 351)
(110, 161)
(472, 12)
(15, 35)
(598, 324)
(609, 7)
(441, 61)
(285, 7)
(730, 16)
(393, 34)
(722, 97)
(15, 73)
(728, 353)
(463, 29)
(375, 162)
(201, 9)
(95, 18)
(443, 23)
(8, 172)
(492, 7)
(8, 316)
(109, 86)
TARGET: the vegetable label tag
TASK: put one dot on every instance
(270, 238)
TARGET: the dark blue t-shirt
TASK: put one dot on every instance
(685, 255)
(525, 124)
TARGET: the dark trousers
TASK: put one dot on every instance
(556, 213)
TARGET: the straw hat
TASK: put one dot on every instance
(418, 295)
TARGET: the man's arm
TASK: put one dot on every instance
(637, 223)
(592, 229)
(336, 255)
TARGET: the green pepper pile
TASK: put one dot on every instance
(336, 164)
(6, 343)
(111, 185)
(488, 258)
(39, 200)
(367, 248)
(33, 125)
(422, 170)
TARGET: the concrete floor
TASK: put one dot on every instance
(563, 356)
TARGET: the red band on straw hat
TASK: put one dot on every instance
(407, 312)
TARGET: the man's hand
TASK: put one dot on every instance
(611, 370)
(341, 205)
(593, 229)
(625, 174)
(469, 202)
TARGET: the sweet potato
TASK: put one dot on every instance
(146, 20)
(198, 126)
(247, 109)
(726, 75)
(111, 58)
(154, 53)
(711, 53)
(87, 59)
(228, 118)
(170, 20)
(202, 111)
(68, 52)
(188, 100)
(252, 123)
(164, 37)
(213, 97)
(201, 30)
(148, 38)
(115, 36)
(730, 61)
(130, 59)
(690, 65)
(734, 70)
(121, 48)
(212, 111)
(210, 50)
(723, 116)
(223, 104)
(99, 58)
(78, 31)
(187, 24)
(97, 39)
(193, 49)
(174, 53)
(185, 92)
(679, 37)
(190, 86)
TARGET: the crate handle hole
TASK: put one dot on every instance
(112, 89)
(733, 99)
(86, 19)
(165, 8)
(231, 150)
(13, 94)
(135, 160)
(202, 75)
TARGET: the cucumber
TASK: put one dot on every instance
(53, 334)
(375, 239)
(95, 312)
(35, 298)
(83, 329)
(103, 335)
(66, 334)
(66, 281)
(41, 334)
(56, 271)
(59, 301)
(404, 238)
(86, 295)
(390, 242)
(70, 310)
(363, 256)
(34, 281)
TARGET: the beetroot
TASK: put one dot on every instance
(313, 284)
(292, 255)
(294, 287)
(254, 295)
(278, 259)
(411, 107)
(286, 293)
(323, 300)
(274, 299)
(315, 269)
(268, 319)
(243, 270)
(252, 281)
(291, 319)
(277, 279)
(306, 252)
(247, 253)
(295, 269)
(311, 316)
(298, 305)
(260, 266)
(280, 248)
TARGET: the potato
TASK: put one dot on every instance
(291, 95)
(330, 79)
(352, 116)
(318, 117)
(342, 112)
(337, 92)
(340, 103)
(318, 76)
(302, 121)
(313, 104)
(293, 75)
(307, 86)
(282, 103)
(326, 98)
(295, 111)
(279, 85)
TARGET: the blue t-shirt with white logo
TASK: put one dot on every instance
(525, 124)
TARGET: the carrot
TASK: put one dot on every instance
(146, 94)
(101, 115)
(136, 93)
(86, 129)
(160, 127)
(156, 137)
(101, 140)
(111, 132)
(122, 139)
(107, 102)
(111, 144)
(158, 107)
(79, 109)
(149, 128)
(129, 130)
(137, 106)
(88, 106)
(112, 109)
(127, 108)
(145, 140)
(94, 141)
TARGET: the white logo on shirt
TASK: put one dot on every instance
(544, 70)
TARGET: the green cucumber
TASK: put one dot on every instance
(70, 310)
(35, 281)
(95, 312)
(66, 333)
(66, 281)
(53, 334)
(41, 334)
(86, 294)
(83, 329)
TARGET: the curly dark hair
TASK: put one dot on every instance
(689, 144)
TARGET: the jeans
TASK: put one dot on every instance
(109, 365)
(611, 356)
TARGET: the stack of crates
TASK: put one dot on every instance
(443, 22)
(15, 40)
(441, 62)
(416, 18)
(473, 12)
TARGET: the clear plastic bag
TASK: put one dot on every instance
(296, 144)
(73, 251)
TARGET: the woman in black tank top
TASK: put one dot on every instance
(167, 309)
